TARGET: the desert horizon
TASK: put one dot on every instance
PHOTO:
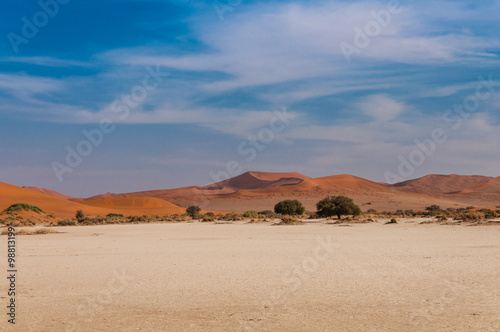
(259, 191)
(248, 166)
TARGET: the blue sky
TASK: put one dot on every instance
(224, 70)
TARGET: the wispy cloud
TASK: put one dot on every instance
(45, 61)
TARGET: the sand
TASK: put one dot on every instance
(442, 184)
(59, 207)
(256, 277)
(260, 191)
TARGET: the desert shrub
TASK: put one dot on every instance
(371, 211)
(489, 214)
(208, 218)
(137, 219)
(433, 208)
(80, 216)
(23, 206)
(290, 219)
(392, 221)
(337, 206)
(290, 207)
(312, 215)
(471, 216)
(179, 218)
(250, 214)
(232, 217)
(114, 215)
(66, 222)
(210, 214)
(193, 211)
(442, 218)
(31, 232)
(9, 221)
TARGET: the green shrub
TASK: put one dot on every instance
(289, 207)
(250, 214)
(232, 217)
(433, 208)
(114, 215)
(66, 222)
(9, 221)
(23, 206)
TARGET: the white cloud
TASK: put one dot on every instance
(45, 61)
(19, 84)
(381, 107)
(269, 44)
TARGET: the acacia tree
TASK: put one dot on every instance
(290, 207)
(193, 211)
(337, 206)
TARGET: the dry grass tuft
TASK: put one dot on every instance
(290, 220)
(31, 231)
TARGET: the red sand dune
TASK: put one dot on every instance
(258, 180)
(144, 205)
(441, 184)
(261, 190)
(335, 184)
(350, 182)
(248, 180)
(49, 192)
(10, 194)
(492, 186)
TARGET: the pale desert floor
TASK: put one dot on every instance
(256, 277)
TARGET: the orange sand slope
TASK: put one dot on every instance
(492, 186)
(442, 184)
(144, 205)
(10, 194)
(49, 192)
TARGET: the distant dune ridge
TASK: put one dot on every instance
(442, 184)
(492, 186)
(262, 190)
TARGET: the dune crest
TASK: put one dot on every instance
(441, 184)
(49, 192)
(258, 180)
